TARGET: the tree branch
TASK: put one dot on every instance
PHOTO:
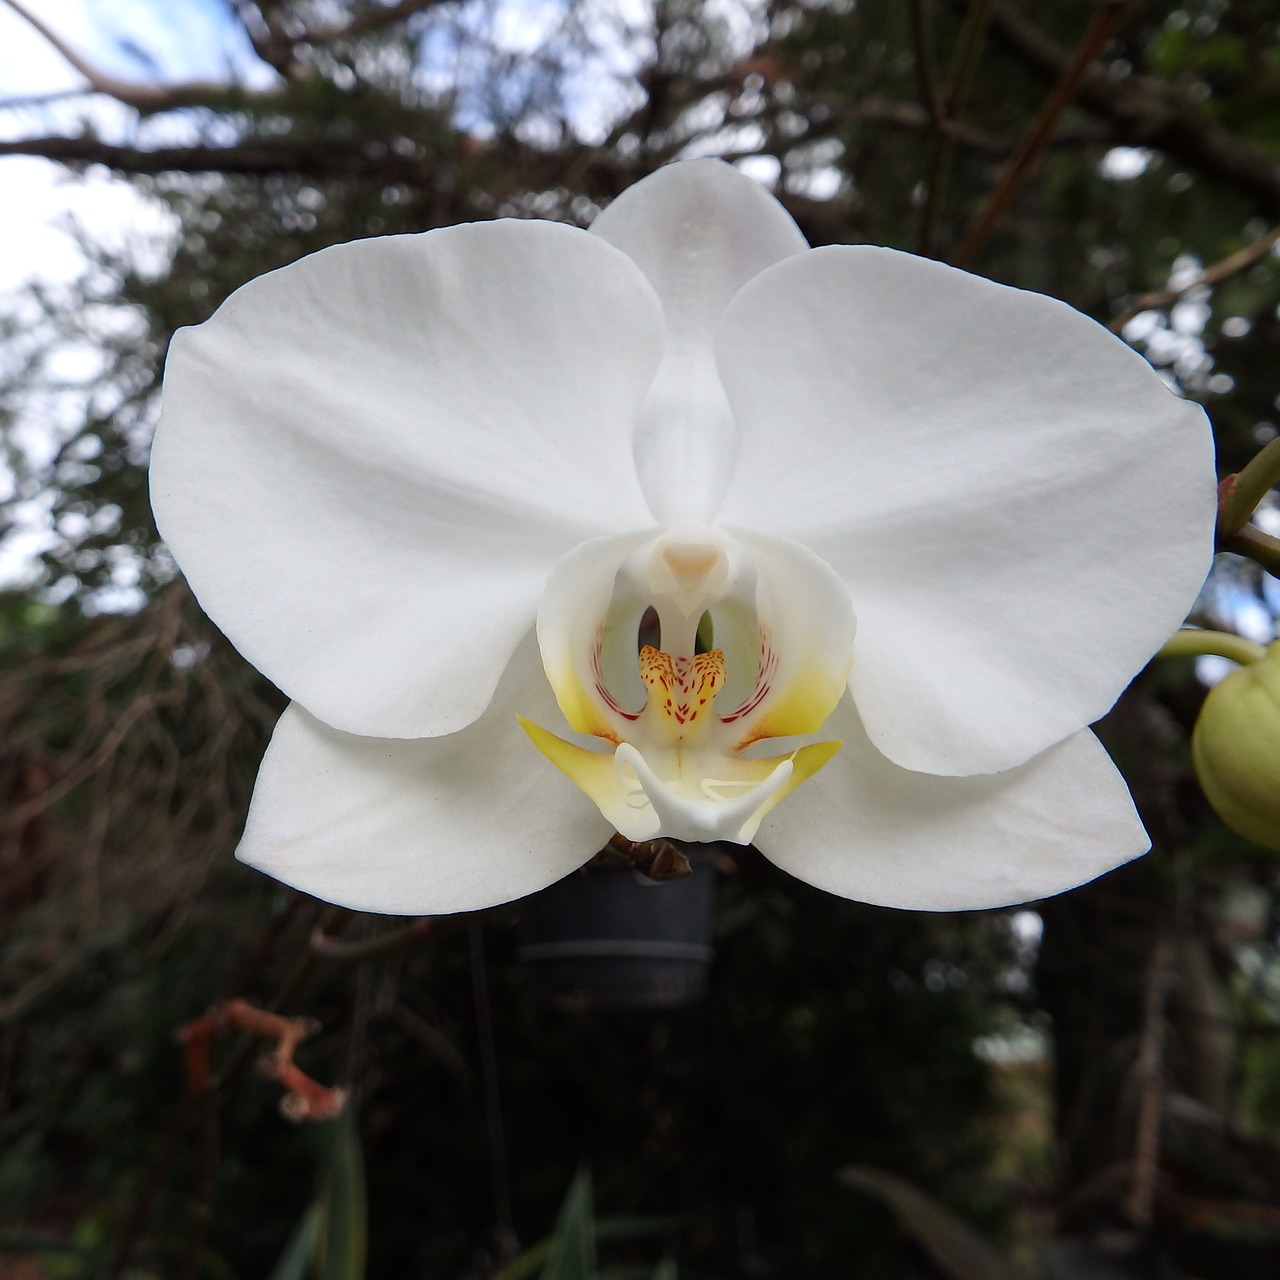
(319, 160)
(1147, 112)
(278, 47)
(1229, 266)
(1037, 136)
(142, 97)
(371, 20)
(274, 47)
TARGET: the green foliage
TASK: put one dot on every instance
(331, 1238)
(954, 1247)
(572, 1255)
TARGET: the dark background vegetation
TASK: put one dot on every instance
(1120, 1119)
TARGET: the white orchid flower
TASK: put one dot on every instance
(932, 524)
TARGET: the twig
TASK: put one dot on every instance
(28, 100)
(332, 922)
(142, 97)
(923, 56)
(1229, 266)
(1147, 112)
(273, 48)
(278, 48)
(963, 66)
(385, 943)
(372, 19)
(1255, 545)
(304, 1098)
(1029, 149)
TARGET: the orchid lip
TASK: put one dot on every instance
(675, 719)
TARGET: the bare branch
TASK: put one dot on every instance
(29, 100)
(267, 43)
(370, 20)
(1147, 112)
(142, 97)
(321, 159)
(1229, 266)
(278, 47)
(595, 172)
(964, 64)
(1037, 137)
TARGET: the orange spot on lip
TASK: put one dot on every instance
(691, 681)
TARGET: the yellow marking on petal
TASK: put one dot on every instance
(593, 771)
(580, 708)
(804, 764)
(802, 707)
(621, 802)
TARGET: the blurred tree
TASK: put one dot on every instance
(1122, 156)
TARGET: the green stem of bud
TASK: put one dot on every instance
(1257, 546)
(1242, 495)
(1192, 642)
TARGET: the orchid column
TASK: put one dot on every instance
(904, 533)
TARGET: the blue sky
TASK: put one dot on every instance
(138, 39)
(40, 202)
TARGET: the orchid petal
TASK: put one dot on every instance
(423, 827)
(368, 461)
(806, 629)
(1017, 538)
(699, 230)
(805, 762)
(642, 806)
(585, 614)
(597, 775)
(872, 831)
(727, 809)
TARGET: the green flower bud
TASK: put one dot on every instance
(1236, 749)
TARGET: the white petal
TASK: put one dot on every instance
(866, 829)
(699, 230)
(1021, 510)
(804, 645)
(729, 809)
(587, 627)
(368, 461)
(421, 827)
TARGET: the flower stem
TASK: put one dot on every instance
(1192, 642)
(1260, 547)
(1245, 490)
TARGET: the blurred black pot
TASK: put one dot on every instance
(607, 936)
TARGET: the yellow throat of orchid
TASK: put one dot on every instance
(679, 715)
